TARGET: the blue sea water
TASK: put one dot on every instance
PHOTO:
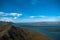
(41, 29)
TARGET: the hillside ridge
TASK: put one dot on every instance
(10, 32)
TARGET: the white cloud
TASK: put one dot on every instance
(6, 19)
(38, 17)
(9, 17)
(15, 14)
(19, 14)
(58, 16)
(42, 16)
(49, 20)
(10, 14)
(1, 13)
(32, 16)
(44, 19)
(15, 17)
(39, 20)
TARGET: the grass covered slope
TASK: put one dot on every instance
(9, 32)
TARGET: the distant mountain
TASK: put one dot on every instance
(43, 24)
(53, 29)
(10, 32)
(34, 23)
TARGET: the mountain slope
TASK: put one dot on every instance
(9, 32)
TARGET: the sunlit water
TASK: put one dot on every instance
(54, 35)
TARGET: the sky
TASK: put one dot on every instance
(30, 10)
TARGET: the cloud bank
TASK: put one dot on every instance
(9, 17)
(16, 17)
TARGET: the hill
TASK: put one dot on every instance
(10, 32)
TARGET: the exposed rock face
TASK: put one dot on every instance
(9, 32)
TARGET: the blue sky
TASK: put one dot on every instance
(29, 10)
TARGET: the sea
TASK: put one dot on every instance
(41, 29)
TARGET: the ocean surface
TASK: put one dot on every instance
(41, 29)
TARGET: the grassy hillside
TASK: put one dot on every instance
(9, 32)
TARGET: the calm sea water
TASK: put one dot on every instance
(54, 35)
